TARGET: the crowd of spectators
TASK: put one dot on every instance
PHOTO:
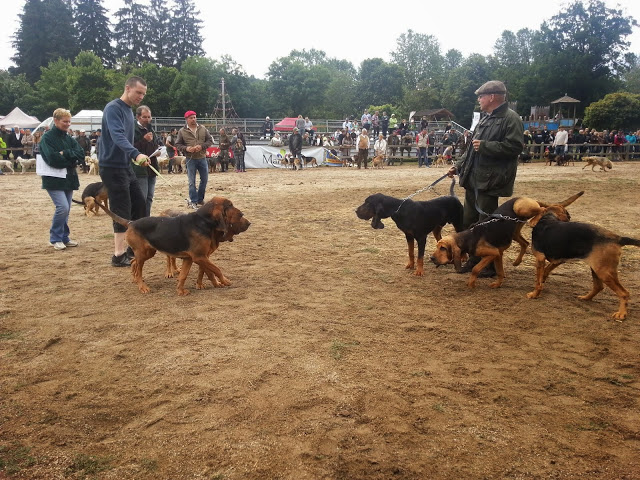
(618, 144)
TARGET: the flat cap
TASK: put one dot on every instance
(492, 86)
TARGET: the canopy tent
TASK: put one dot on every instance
(88, 120)
(19, 118)
(286, 124)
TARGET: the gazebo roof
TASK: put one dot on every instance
(434, 113)
(566, 99)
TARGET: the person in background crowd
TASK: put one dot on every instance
(308, 128)
(384, 124)
(375, 124)
(365, 120)
(295, 144)
(239, 146)
(85, 143)
(267, 128)
(61, 151)
(276, 141)
(147, 142)
(172, 152)
(380, 147)
(225, 145)
(193, 141)
(15, 141)
(300, 124)
(422, 141)
(115, 158)
(363, 147)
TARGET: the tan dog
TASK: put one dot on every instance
(296, 163)
(440, 161)
(163, 163)
(603, 162)
(6, 164)
(93, 165)
(378, 161)
(26, 163)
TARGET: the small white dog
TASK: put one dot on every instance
(26, 163)
(6, 164)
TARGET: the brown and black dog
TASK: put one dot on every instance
(415, 219)
(92, 195)
(555, 240)
(191, 237)
(489, 238)
(236, 224)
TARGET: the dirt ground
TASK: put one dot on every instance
(325, 358)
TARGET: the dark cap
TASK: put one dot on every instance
(492, 86)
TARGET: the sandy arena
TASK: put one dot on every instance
(325, 358)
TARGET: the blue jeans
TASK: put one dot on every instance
(59, 231)
(202, 167)
(148, 187)
(422, 156)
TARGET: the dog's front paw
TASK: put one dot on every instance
(471, 283)
(143, 288)
(495, 284)
(410, 266)
(534, 294)
(183, 292)
(419, 272)
(619, 315)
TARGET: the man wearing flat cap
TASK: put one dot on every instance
(192, 142)
(488, 168)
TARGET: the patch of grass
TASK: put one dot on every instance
(88, 464)
(370, 250)
(438, 407)
(15, 457)
(339, 348)
(9, 335)
(149, 464)
(591, 426)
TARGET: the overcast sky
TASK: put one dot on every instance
(270, 30)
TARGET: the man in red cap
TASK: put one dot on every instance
(192, 142)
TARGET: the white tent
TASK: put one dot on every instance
(88, 120)
(18, 117)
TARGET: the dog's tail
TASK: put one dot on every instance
(76, 201)
(629, 241)
(122, 221)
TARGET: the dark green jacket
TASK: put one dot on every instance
(52, 143)
(492, 169)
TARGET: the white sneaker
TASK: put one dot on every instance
(192, 205)
(58, 245)
(71, 243)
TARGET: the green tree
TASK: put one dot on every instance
(51, 90)
(632, 77)
(296, 88)
(46, 32)
(93, 27)
(160, 33)
(129, 34)
(341, 96)
(379, 82)
(419, 55)
(13, 90)
(614, 111)
(197, 86)
(186, 27)
(458, 93)
(88, 83)
(159, 83)
(584, 46)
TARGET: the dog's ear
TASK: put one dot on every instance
(456, 255)
(375, 221)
